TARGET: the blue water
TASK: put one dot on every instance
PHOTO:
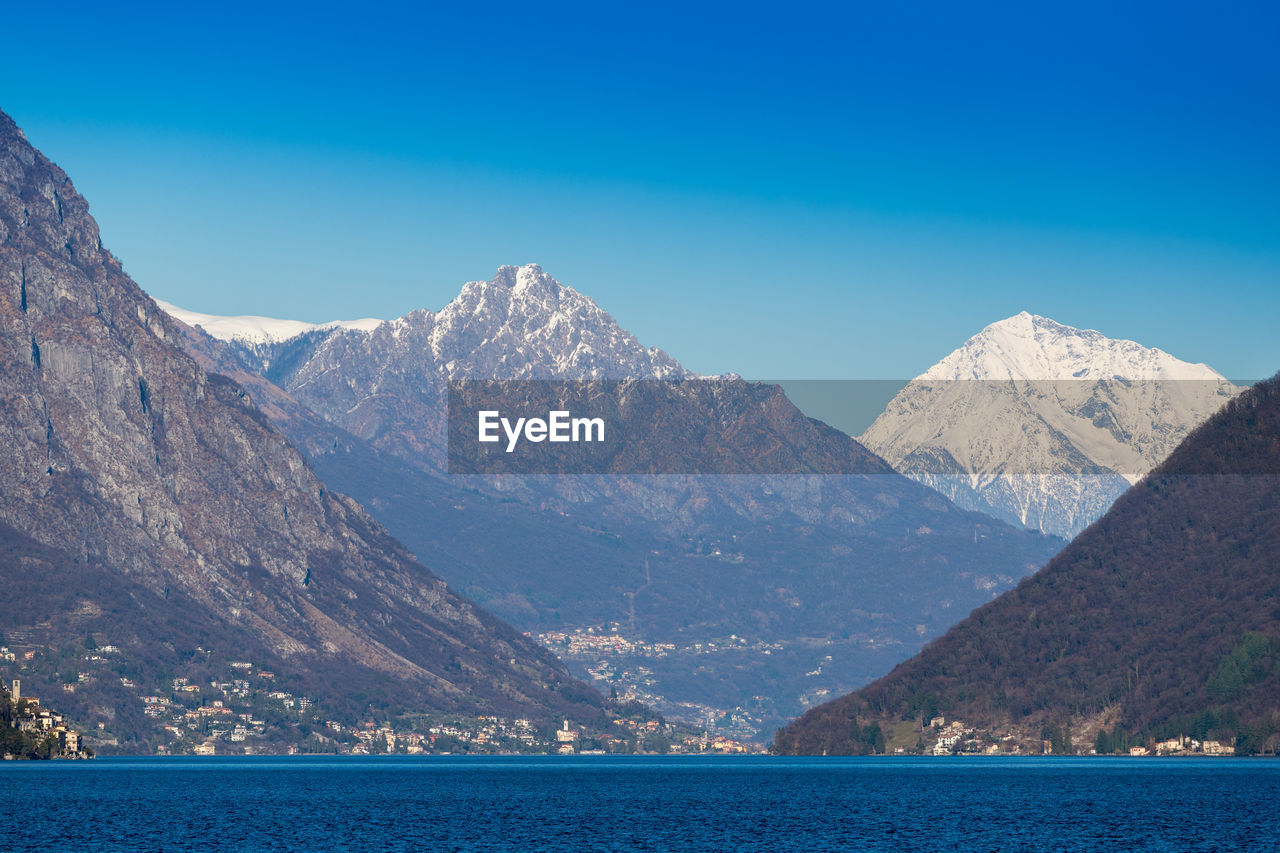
(639, 804)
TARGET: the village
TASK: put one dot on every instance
(47, 732)
(246, 712)
(954, 737)
(620, 664)
(597, 640)
(222, 720)
(241, 708)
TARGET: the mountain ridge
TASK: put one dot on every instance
(253, 329)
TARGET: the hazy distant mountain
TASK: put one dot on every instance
(1159, 621)
(1041, 424)
(774, 591)
(139, 491)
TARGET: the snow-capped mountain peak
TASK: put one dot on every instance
(526, 278)
(1041, 423)
(249, 329)
(1028, 346)
(523, 324)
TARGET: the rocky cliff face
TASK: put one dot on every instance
(126, 455)
(1041, 424)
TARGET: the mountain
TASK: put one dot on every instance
(1041, 424)
(734, 601)
(1161, 621)
(150, 503)
(390, 385)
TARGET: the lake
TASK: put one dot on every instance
(603, 803)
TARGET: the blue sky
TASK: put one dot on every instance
(808, 190)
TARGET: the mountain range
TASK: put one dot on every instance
(748, 596)
(215, 493)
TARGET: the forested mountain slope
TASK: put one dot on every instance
(1162, 618)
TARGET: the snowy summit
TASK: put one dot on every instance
(249, 329)
(1043, 424)
(1027, 346)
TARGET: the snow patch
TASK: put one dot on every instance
(259, 330)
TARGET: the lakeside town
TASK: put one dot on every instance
(34, 731)
(646, 671)
(248, 713)
(941, 736)
(244, 709)
(615, 662)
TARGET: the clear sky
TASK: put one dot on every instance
(798, 190)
